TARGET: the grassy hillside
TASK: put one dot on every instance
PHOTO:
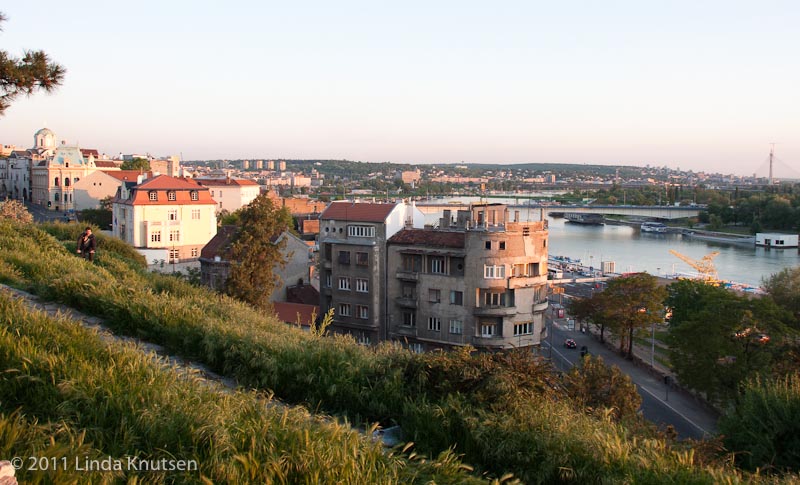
(504, 413)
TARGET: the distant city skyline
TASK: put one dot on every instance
(704, 86)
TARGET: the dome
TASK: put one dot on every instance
(44, 139)
(45, 131)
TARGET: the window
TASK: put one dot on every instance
(344, 257)
(212, 193)
(175, 235)
(173, 255)
(533, 269)
(171, 195)
(488, 244)
(328, 280)
(456, 298)
(193, 195)
(502, 245)
(362, 311)
(344, 309)
(361, 231)
(415, 347)
(488, 330)
(152, 195)
(409, 319)
(409, 291)
(56, 197)
(56, 182)
(412, 262)
(456, 327)
(362, 285)
(434, 324)
(436, 264)
(362, 338)
(173, 214)
(519, 270)
(344, 283)
(194, 252)
(434, 295)
(196, 214)
(494, 272)
(155, 236)
(362, 259)
(494, 299)
(523, 329)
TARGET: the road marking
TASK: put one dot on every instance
(665, 403)
(705, 432)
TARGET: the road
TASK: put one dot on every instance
(660, 405)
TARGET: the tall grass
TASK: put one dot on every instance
(101, 399)
(503, 412)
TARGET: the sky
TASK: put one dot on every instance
(696, 85)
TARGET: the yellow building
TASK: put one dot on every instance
(170, 213)
(53, 179)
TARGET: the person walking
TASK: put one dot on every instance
(87, 244)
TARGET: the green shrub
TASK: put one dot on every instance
(763, 430)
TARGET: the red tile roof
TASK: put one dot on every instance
(429, 237)
(219, 245)
(89, 151)
(288, 312)
(357, 211)
(105, 164)
(127, 175)
(161, 185)
(164, 182)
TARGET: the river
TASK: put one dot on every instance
(632, 251)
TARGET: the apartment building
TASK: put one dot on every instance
(478, 280)
(352, 256)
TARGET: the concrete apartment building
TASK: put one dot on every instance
(352, 257)
(480, 280)
(165, 213)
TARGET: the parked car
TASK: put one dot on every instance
(570, 344)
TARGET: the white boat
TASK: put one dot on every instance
(653, 227)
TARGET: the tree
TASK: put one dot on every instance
(16, 210)
(256, 251)
(784, 288)
(25, 76)
(595, 385)
(723, 340)
(628, 303)
(141, 164)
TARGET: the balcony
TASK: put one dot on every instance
(406, 302)
(540, 306)
(494, 311)
(407, 275)
(326, 264)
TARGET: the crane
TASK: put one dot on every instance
(704, 266)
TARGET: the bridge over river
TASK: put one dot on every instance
(648, 211)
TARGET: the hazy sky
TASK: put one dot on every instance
(702, 85)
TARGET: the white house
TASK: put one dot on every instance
(230, 194)
(90, 190)
(776, 241)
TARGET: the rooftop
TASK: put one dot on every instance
(357, 211)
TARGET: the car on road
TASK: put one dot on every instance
(570, 344)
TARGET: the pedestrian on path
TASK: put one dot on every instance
(87, 244)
